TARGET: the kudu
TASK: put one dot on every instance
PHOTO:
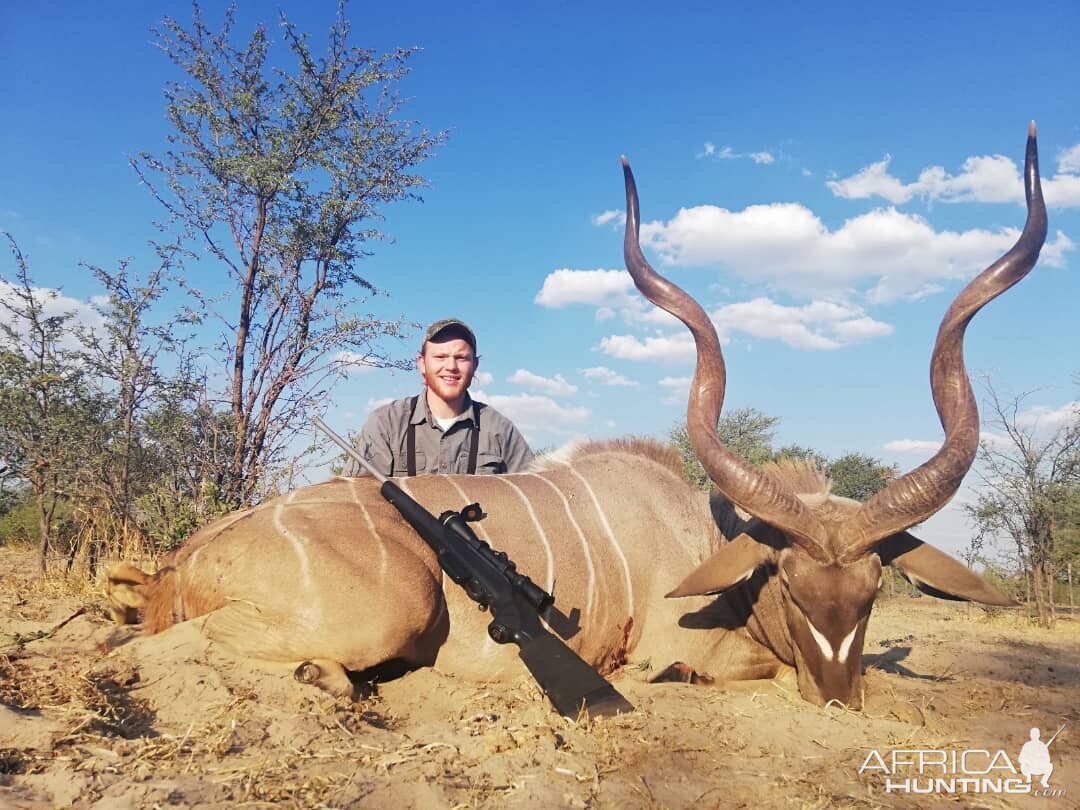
(329, 579)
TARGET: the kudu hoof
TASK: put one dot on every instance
(330, 676)
(308, 673)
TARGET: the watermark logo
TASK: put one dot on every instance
(1035, 757)
(968, 770)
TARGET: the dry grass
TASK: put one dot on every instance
(98, 703)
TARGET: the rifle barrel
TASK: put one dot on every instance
(348, 448)
(1055, 735)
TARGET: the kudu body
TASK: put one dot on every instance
(330, 578)
(332, 574)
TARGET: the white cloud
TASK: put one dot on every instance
(1041, 417)
(710, 150)
(1062, 191)
(372, 404)
(675, 383)
(983, 179)
(54, 303)
(1053, 253)
(556, 386)
(535, 414)
(818, 325)
(661, 347)
(612, 292)
(597, 287)
(987, 178)
(355, 361)
(678, 389)
(872, 181)
(646, 314)
(787, 245)
(605, 376)
(858, 329)
(995, 440)
(483, 378)
(1048, 419)
(616, 217)
(1069, 160)
(922, 447)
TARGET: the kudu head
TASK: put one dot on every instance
(823, 554)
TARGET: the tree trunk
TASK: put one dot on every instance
(43, 535)
(1051, 597)
(1051, 602)
(1041, 586)
(1027, 591)
(1072, 605)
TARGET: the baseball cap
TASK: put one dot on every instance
(450, 324)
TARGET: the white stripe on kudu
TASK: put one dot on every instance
(611, 537)
(845, 645)
(822, 642)
(295, 541)
(539, 530)
(379, 542)
(590, 596)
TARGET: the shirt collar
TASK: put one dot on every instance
(423, 414)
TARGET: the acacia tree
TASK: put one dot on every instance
(746, 432)
(192, 446)
(749, 433)
(124, 356)
(45, 409)
(1030, 480)
(859, 476)
(282, 177)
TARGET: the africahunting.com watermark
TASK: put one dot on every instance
(966, 770)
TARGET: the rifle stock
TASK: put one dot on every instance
(570, 684)
(491, 579)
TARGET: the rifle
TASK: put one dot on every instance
(491, 579)
(1051, 741)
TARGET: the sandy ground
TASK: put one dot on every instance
(93, 716)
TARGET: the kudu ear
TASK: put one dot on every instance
(936, 573)
(735, 562)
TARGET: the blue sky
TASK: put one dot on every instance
(822, 177)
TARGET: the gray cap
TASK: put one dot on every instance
(453, 325)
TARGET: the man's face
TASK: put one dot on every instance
(447, 367)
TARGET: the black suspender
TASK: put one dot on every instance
(410, 438)
(475, 443)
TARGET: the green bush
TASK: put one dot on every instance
(19, 524)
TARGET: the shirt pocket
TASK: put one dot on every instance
(421, 463)
(489, 463)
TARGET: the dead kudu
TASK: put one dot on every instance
(329, 580)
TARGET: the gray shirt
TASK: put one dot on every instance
(500, 449)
